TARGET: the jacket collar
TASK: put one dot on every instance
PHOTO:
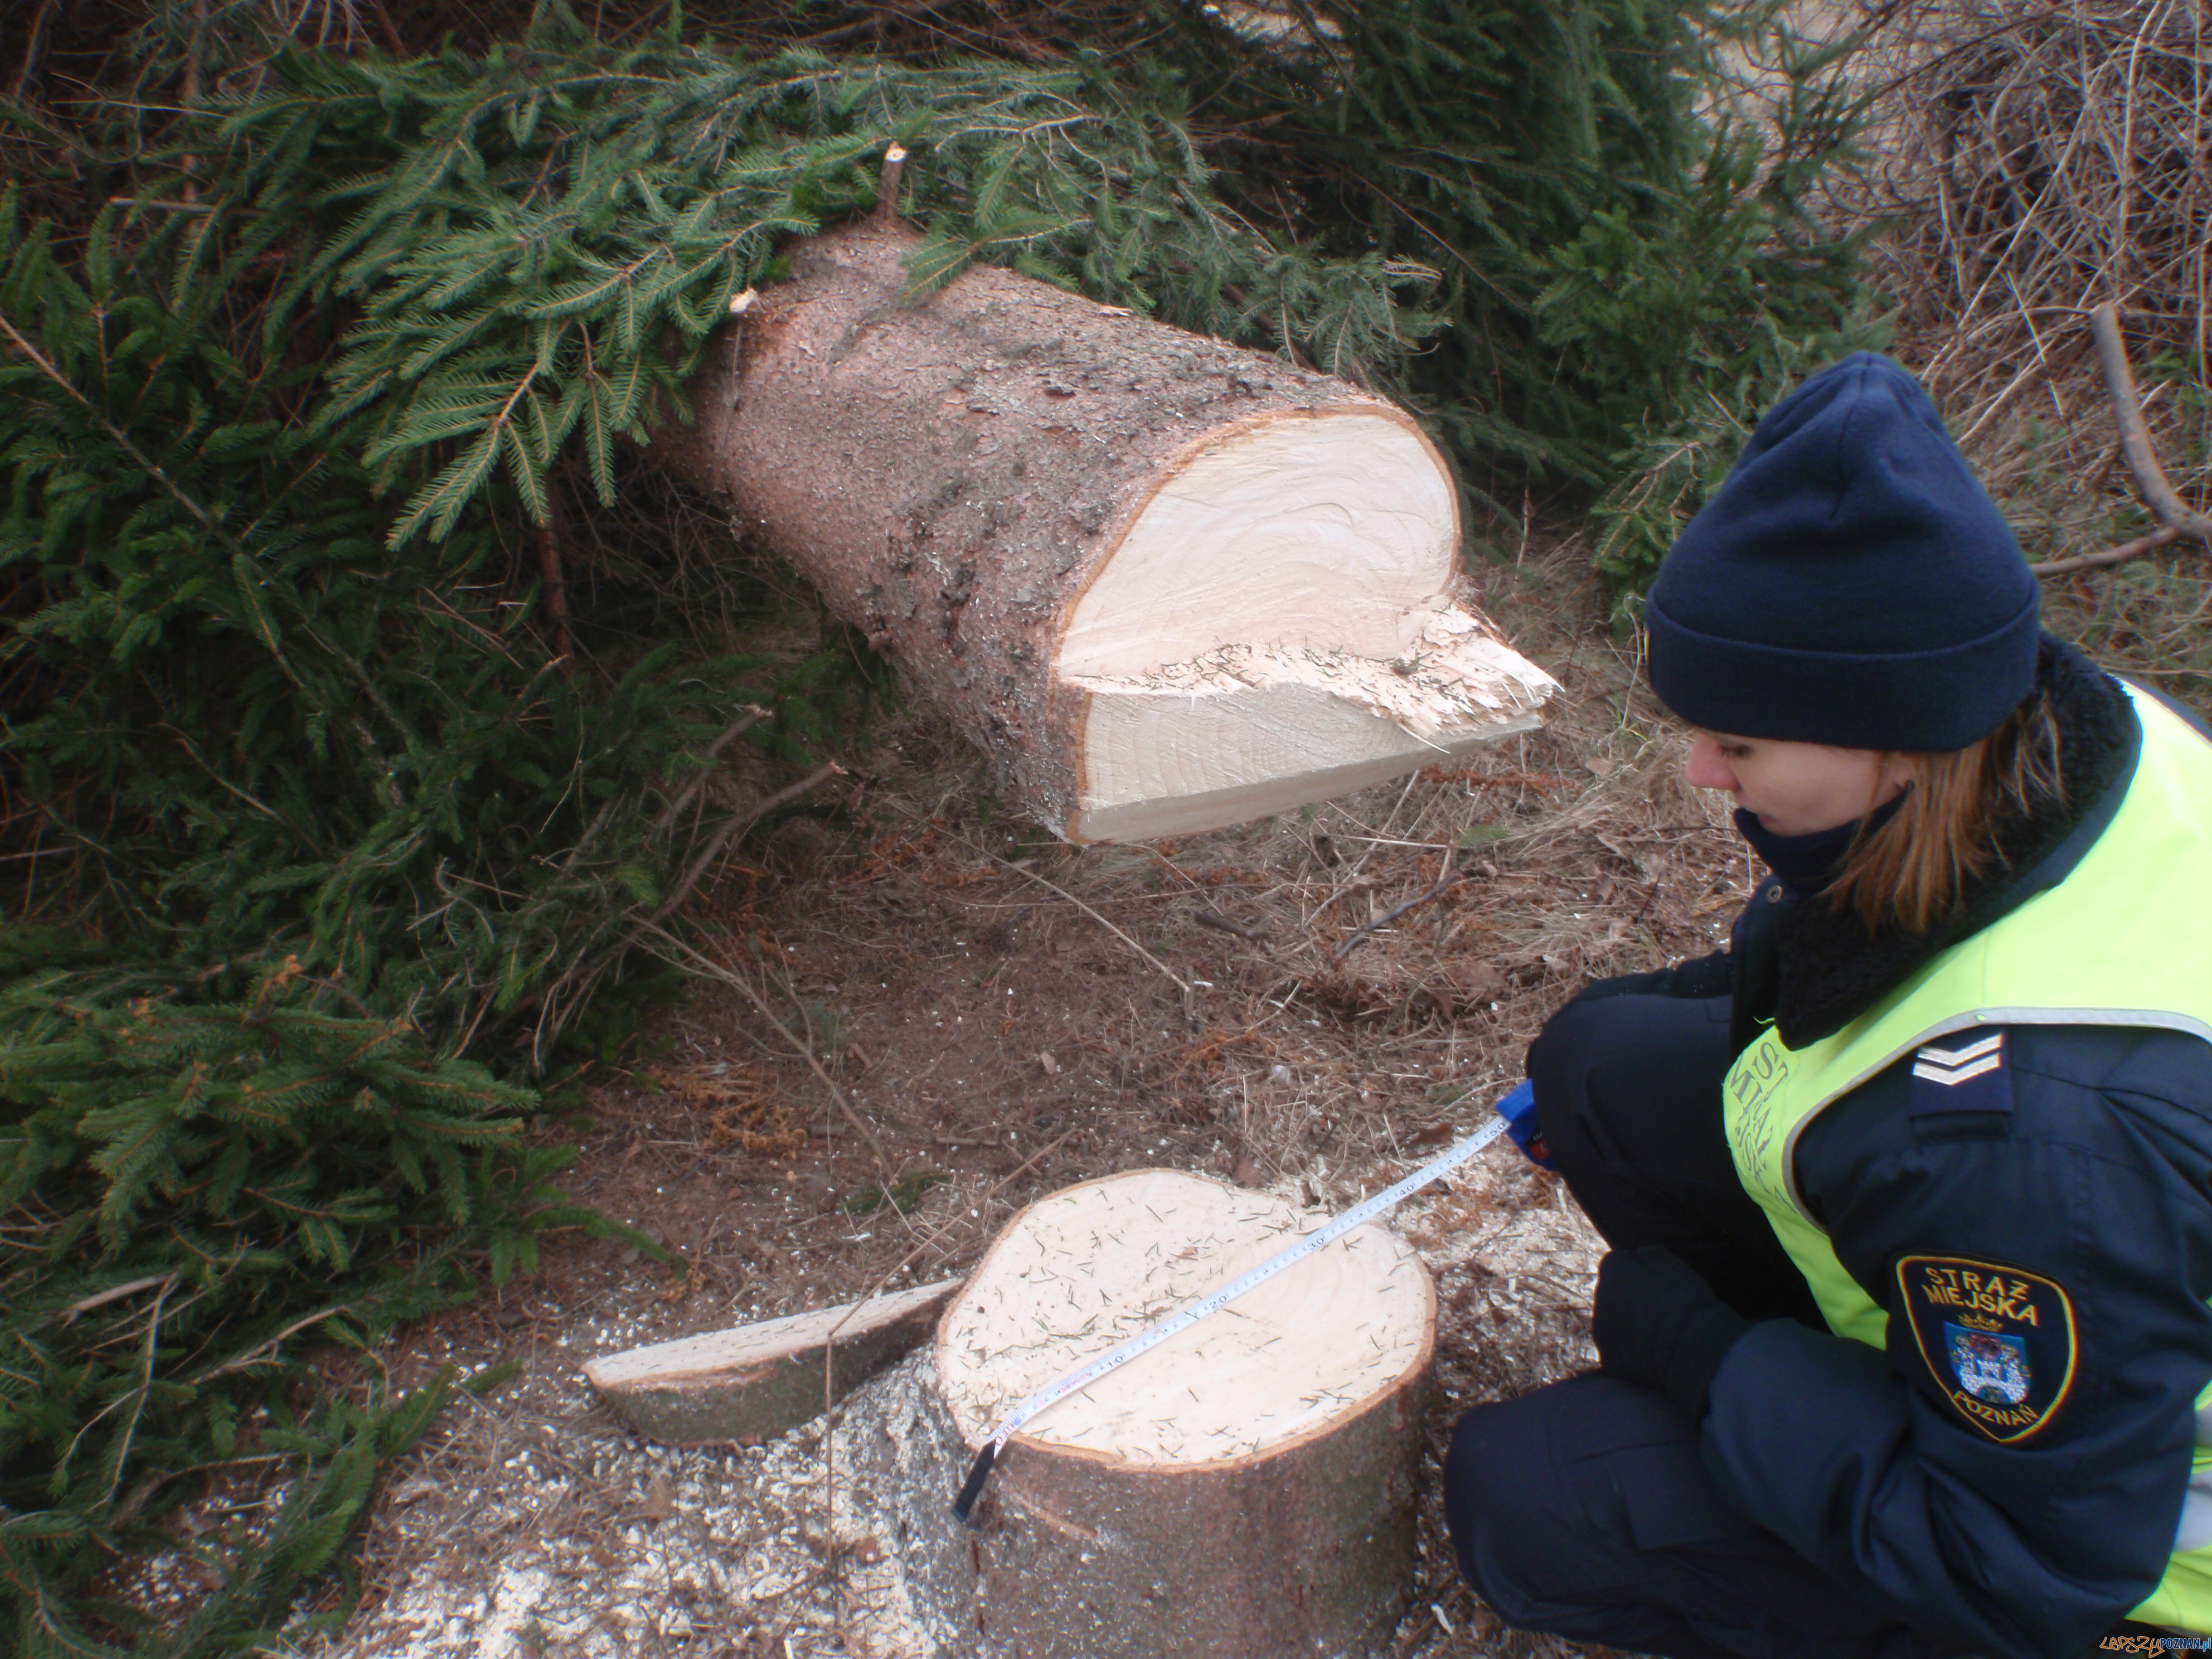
(1827, 970)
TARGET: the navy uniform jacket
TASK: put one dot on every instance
(2085, 1157)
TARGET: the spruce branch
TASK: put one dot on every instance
(152, 469)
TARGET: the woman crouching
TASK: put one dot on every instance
(1903, 1330)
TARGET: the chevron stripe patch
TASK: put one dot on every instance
(1952, 1067)
(1967, 1078)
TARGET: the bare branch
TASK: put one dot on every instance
(1445, 880)
(1182, 984)
(745, 722)
(739, 822)
(2126, 550)
(2134, 436)
(2178, 522)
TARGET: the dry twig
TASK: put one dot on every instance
(738, 822)
(1444, 879)
(577, 982)
(685, 955)
(1208, 917)
(745, 721)
(1182, 983)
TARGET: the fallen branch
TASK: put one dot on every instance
(2119, 554)
(1445, 880)
(738, 822)
(1221, 924)
(1183, 984)
(584, 975)
(2178, 522)
(745, 722)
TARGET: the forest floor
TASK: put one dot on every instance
(1004, 1016)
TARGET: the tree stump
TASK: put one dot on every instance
(1246, 1488)
(1164, 584)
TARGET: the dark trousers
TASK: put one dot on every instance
(1584, 1509)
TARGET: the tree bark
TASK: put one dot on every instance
(1245, 1488)
(1161, 583)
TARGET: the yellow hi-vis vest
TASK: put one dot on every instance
(2124, 939)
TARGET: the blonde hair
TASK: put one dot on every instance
(1910, 871)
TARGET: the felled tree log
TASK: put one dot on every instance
(1164, 584)
(1246, 1488)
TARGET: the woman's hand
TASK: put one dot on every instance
(1658, 1324)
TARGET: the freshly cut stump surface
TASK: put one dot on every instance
(1162, 583)
(1245, 1488)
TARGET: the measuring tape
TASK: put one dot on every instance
(1514, 1111)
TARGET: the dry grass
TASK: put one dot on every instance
(2029, 160)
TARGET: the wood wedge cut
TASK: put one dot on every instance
(759, 1381)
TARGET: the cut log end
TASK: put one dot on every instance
(1164, 584)
(1278, 626)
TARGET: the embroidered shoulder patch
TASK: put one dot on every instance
(2000, 1343)
(1968, 1077)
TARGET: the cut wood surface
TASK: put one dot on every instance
(1092, 1265)
(757, 1381)
(1245, 1488)
(1162, 583)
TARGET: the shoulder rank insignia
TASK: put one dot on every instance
(1968, 1077)
(1999, 1343)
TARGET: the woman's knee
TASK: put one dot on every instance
(1629, 1087)
(1497, 1493)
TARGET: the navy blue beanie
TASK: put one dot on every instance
(1850, 584)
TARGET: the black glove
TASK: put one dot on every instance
(1701, 977)
(1658, 1323)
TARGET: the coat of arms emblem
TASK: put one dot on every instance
(1999, 1341)
(1989, 1365)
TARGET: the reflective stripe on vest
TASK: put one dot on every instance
(2120, 941)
